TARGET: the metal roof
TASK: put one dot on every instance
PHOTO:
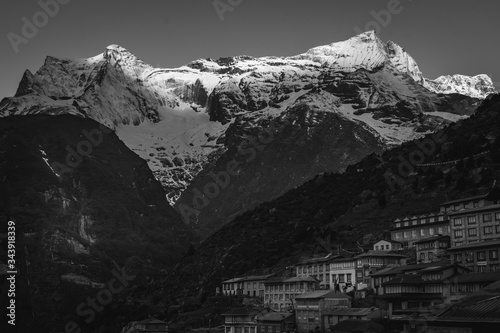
(322, 294)
(476, 245)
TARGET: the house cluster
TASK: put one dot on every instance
(457, 255)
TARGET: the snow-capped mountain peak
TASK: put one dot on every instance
(479, 86)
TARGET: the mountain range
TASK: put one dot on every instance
(281, 120)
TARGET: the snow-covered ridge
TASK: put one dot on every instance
(177, 118)
(479, 86)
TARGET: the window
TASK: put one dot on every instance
(376, 247)
(459, 233)
(387, 247)
(349, 278)
(497, 216)
(457, 221)
(341, 278)
(476, 204)
(430, 255)
(431, 231)
(422, 232)
(422, 221)
(422, 256)
(471, 220)
(488, 230)
(487, 217)
(440, 230)
(406, 223)
(398, 225)
(456, 207)
(472, 232)
(441, 218)
(458, 257)
(414, 233)
(481, 255)
(493, 255)
(406, 234)
(458, 243)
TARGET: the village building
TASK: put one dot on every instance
(464, 203)
(342, 272)
(475, 225)
(254, 285)
(319, 268)
(409, 230)
(432, 249)
(332, 317)
(480, 257)
(372, 261)
(387, 245)
(310, 308)
(280, 293)
(232, 287)
(276, 322)
(415, 288)
(242, 320)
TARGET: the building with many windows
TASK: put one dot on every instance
(464, 203)
(310, 308)
(342, 274)
(232, 286)
(479, 257)
(387, 245)
(319, 268)
(372, 261)
(432, 249)
(475, 225)
(409, 230)
(254, 285)
(242, 320)
(276, 322)
(280, 293)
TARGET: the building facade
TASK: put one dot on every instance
(319, 268)
(254, 285)
(342, 272)
(475, 225)
(310, 308)
(479, 257)
(384, 245)
(232, 287)
(372, 261)
(432, 249)
(280, 293)
(409, 230)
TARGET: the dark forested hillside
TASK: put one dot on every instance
(354, 208)
(82, 203)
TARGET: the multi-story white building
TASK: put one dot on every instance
(280, 293)
(319, 268)
(343, 274)
(409, 230)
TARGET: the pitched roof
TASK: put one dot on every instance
(232, 280)
(349, 311)
(464, 199)
(301, 279)
(315, 260)
(275, 316)
(322, 294)
(477, 209)
(373, 253)
(476, 245)
(405, 279)
(256, 277)
(475, 277)
(241, 311)
(481, 306)
(432, 239)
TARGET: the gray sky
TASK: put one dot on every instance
(444, 37)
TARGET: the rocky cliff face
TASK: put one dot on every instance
(333, 104)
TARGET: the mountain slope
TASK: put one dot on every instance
(77, 216)
(342, 211)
